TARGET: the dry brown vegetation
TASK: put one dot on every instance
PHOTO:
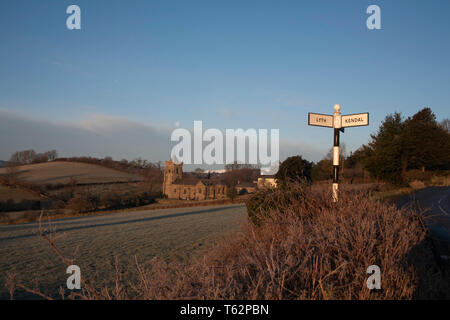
(62, 172)
(304, 247)
(75, 186)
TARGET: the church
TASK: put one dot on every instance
(177, 185)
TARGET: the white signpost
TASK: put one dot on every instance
(338, 122)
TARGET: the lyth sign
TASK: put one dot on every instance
(321, 120)
(338, 122)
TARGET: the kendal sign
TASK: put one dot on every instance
(338, 122)
(355, 120)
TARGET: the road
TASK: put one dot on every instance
(95, 240)
(435, 204)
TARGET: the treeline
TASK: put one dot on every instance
(82, 202)
(31, 156)
(417, 143)
(237, 173)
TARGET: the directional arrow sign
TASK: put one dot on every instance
(338, 122)
(355, 120)
(321, 120)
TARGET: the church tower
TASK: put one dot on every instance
(172, 172)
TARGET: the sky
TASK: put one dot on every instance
(139, 69)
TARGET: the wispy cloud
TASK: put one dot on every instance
(102, 135)
(96, 135)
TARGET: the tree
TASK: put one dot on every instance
(23, 157)
(30, 156)
(322, 170)
(426, 144)
(237, 176)
(419, 142)
(384, 157)
(294, 169)
(52, 155)
(232, 193)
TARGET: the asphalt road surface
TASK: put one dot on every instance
(96, 240)
(434, 202)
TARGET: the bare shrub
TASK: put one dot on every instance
(80, 203)
(111, 199)
(303, 247)
(306, 247)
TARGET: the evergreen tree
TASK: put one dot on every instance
(426, 143)
(295, 169)
(384, 153)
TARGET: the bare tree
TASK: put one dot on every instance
(23, 157)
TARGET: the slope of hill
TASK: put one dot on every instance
(3, 163)
(62, 172)
(16, 194)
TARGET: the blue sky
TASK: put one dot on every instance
(233, 64)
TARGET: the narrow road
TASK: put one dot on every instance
(96, 240)
(435, 204)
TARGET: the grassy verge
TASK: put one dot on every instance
(393, 194)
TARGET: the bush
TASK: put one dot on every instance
(268, 199)
(294, 169)
(80, 204)
(11, 205)
(111, 200)
(307, 247)
(232, 193)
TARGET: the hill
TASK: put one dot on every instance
(3, 163)
(62, 172)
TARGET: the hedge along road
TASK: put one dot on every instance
(95, 241)
(435, 204)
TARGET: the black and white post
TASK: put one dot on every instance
(337, 128)
(338, 122)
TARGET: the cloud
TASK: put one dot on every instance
(97, 135)
(227, 113)
(105, 135)
(308, 151)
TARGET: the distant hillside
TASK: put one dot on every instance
(3, 163)
(62, 172)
